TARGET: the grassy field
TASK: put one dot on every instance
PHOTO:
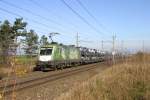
(127, 81)
(25, 59)
(19, 64)
(19, 60)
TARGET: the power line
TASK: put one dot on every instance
(143, 46)
(23, 10)
(77, 40)
(102, 45)
(12, 13)
(113, 49)
(28, 11)
(26, 18)
(92, 16)
(82, 18)
(36, 3)
(48, 10)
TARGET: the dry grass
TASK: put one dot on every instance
(19, 65)
(18, 70)
(128, 81)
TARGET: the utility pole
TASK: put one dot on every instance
(122, 46)
(122, 49)
(143, 46)
(102, 45)
(77, 39)
(113, 49)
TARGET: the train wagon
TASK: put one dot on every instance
(57, 56)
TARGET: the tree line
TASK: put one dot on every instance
(11, 32)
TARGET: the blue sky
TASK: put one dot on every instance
(128, 19)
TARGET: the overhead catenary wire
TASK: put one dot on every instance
(92, 16)
(37, 15)
(13, 13)
(81, 17)
(28, 11)
(37, 27)
(48, 10)
(32, 13)
(34, 21)
(36, 3)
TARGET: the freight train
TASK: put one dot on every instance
(54, 56)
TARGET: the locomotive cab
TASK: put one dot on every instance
(45, 58)
(45, 54)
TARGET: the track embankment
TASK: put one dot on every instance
(35, 81)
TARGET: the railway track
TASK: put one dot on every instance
(38, 81)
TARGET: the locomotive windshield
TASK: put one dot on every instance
(46, 51)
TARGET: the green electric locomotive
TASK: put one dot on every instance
(57, 56)
(54, 56)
